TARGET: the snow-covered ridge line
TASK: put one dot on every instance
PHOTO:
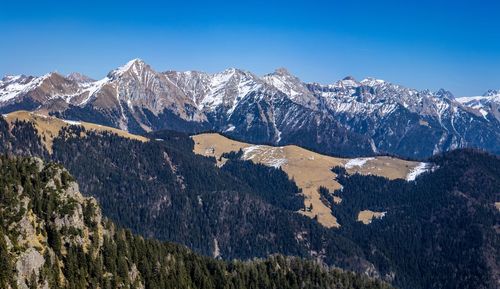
(93, 87)
(238, 102)
(244, 82)
(127, 66)
(12, 86)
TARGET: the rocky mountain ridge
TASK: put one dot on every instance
(348, 117)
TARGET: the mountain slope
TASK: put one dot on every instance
(161, 188)
(48, 127)
(53, 237)
(488, 104)
(347, 117)
(445, 223)
(309, 170)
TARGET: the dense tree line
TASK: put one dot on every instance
(271, 184)
(21, 140)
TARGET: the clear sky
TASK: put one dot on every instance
(422, 44)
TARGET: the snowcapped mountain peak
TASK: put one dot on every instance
(13, 85)
(347, 82)
(291, 86)
(372, 81)
(227, 88)
(487, 104)
(40, 89)
(130, 63)
(50, 74)
(234, 72)
(135, 96)
(231, 74)
(134, 67)
(10, 78)
(281, 73)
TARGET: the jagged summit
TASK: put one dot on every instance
(492, 92)
(292, 86)
(282, 71)
(234, 72)
(276, 108)
(11, 77)
(134, 66)
(80, 78)
(132, 62)
(443, 93)
(372, 81)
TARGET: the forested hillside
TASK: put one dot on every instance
(161, 189)
(53, 237)
(440, 231)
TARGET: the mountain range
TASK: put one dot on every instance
(347, 117)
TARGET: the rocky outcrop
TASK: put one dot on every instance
(43, 218)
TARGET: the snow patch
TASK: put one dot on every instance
(269, 156)
(72, 122)
(93, 87)
(230, 128)
(248, 152)
(277, 163)
(357, 162)
(278, 133)
(14, 88)
(418, 170)
(216, 252)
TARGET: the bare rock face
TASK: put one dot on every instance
(28, 264)
(47, 224)
(27, 234)
(38, 163)
(134, 276)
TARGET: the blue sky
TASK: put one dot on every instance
(425, 44)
